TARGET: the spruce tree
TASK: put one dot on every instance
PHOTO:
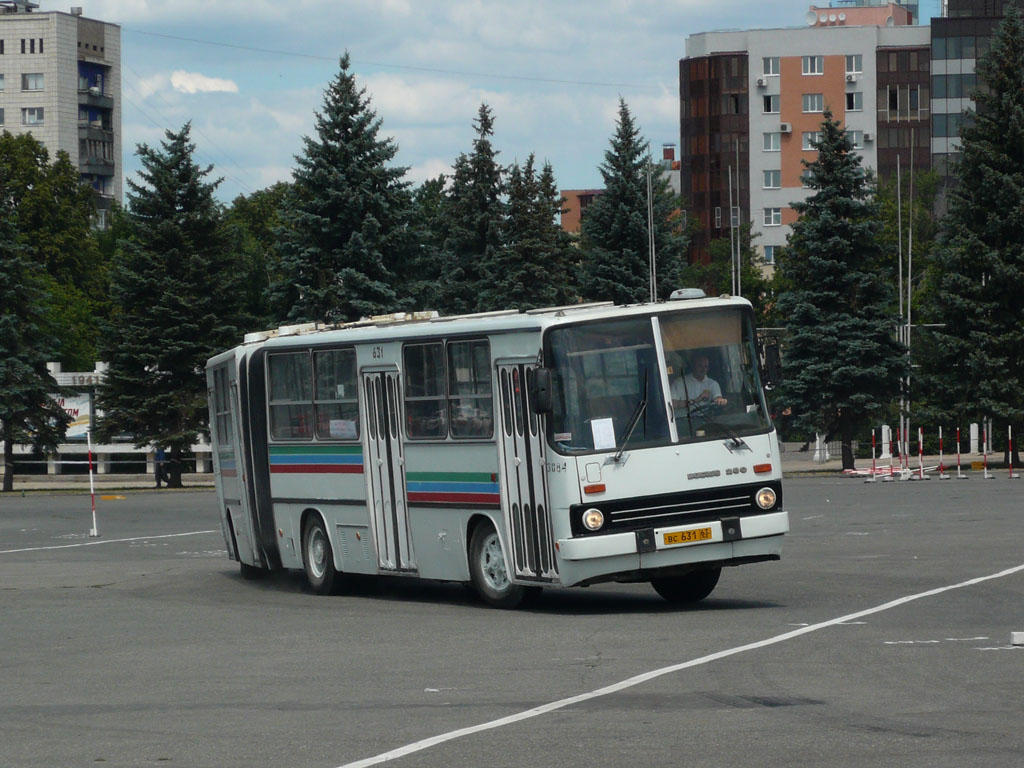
(345, 223)
(615, 232)
(975, 363)
(28, 411)
(532, 266)
(475, 213)
(176, 292)
(842, 360)
(426, 268)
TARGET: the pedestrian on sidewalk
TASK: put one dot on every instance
(161, 467)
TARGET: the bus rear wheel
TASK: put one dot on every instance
(318, 559)
(689, 588)
(489, 571)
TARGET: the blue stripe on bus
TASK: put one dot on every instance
(421, 487)
(316, 458)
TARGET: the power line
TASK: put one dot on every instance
(200, 132)
(435, 70)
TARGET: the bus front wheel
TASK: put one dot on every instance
(318, 559)
(688, 588)
(489, 571)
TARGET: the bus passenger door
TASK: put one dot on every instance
(524, 495)
(386, 471)
(235, 481)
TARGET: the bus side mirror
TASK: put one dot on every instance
(773, 365)
(540, 390)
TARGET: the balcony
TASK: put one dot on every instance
(94, 133)
(96, 166)
(94, 98)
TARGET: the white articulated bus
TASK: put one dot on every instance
(569, 446)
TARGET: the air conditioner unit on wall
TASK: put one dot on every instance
(762, 82)
(785, 127)
(869, 136)
(851, 78)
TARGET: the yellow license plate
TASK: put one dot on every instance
(687, 537)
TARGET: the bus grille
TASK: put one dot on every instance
(675, 508)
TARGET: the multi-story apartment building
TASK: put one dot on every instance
(751, 105)
(60, 80)
(959, 39)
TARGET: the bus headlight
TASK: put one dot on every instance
(593, 519)
(765, 498)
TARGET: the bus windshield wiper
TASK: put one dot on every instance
(641, 407)
(735, 442)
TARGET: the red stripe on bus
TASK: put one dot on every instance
(479, 498)
(347, 469)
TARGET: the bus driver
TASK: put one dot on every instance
(696, 390)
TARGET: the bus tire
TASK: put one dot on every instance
(689, 588)
(489, 571)
(318, 558)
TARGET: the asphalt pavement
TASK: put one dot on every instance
(883, 637)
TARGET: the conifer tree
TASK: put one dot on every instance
(430, 230)
(975, 363)
(842, 360)
(176, 294)
(615, 232)
(475, 213)
(345, 223)
(531, 269)
(28, 411)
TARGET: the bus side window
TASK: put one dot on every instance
(291, 396)
(470, 401)
(335, 400)
(426, 404)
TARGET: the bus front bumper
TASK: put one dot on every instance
(674, 537)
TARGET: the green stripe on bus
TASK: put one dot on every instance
(450, 477)
(332, 450)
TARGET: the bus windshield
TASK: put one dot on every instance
(605, 371)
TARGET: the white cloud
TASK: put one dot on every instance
(430, 168)
(194, 82)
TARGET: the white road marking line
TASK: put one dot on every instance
(433, 741)
(104, 541)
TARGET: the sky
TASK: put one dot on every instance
(251, 75)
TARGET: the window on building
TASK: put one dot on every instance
(1, 82)
(335, 399)
(769, 254)
(855, 101)
(771, 104)
(718, 217)
(32, 116)
(810, 139)
(805, 177)
(24, 48)
(1, 47)
(856, 138)
(854, 63)
(32, 81)
(772, 217)
(894, 98)
(813, 65)
(1, 116)
(773, 141)
(814, 102)
(773, 179)
(770, 65)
